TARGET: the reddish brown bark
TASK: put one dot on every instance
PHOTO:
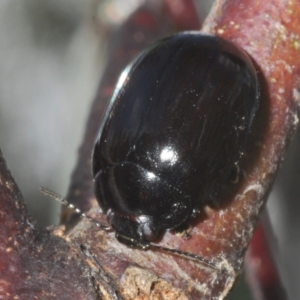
(88, 263)
(223, 235)
(34, 264)
(269, 32)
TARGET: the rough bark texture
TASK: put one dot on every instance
(223, 235)
(34, 264)
(88, 263)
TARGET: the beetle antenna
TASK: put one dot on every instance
(188, 255)
(107, 228)
(73, 207)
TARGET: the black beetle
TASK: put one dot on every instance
(173, 133)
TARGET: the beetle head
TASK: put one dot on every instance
(134, 231)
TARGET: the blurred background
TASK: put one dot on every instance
(51, 56)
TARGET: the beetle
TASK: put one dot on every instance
(173, 133)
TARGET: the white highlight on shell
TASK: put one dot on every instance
(151, 176)
(169, 155)
(123, 77)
